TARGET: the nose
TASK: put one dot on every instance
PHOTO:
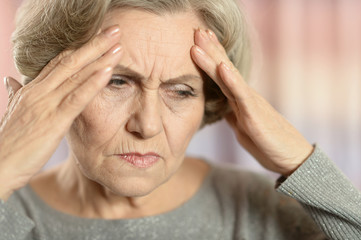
(146, 120)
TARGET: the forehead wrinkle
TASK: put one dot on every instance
(162, 46)
(160, 41)
(157, 47)
(142, 25)
(121, 69)
(150, 35)
(157, 61)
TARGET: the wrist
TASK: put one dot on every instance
(5, 194)
(308, 150)
(8, 183)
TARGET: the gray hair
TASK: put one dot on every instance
(47, 27)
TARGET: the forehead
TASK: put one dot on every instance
(169, 29)
(156, 39)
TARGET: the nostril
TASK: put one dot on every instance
(144, 125)
(137, 135)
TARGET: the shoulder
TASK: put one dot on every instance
(22, 200)
(230, 178)
(252, 199)
(251, 192)
(26, 199)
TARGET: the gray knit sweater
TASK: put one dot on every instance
(231, 204)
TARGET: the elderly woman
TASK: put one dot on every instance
(129, 82)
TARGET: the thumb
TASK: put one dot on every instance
(12, 86)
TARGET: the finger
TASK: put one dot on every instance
(44, 72)
(235, 82)
(74, 62)
(207, 41)
(12, 86)
(111, 58)
(50, 66)
(243, 138)
(228, 77)
(214, 38)
(205, 61)
(77, 100)
(210, 68)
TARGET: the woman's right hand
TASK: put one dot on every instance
(40, 113)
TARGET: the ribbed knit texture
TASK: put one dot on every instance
(230, 204)
(326, 193)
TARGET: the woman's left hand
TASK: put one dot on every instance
(268, 136)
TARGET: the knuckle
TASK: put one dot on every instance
(96, 83)
(74, 79)
(53, 62)
(58, 58)
(96, 43)
(65, 53)
(69, 62)
(73, 101)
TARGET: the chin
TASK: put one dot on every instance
(130, 187)
(126, 182)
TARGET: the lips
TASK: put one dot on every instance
(140, 160)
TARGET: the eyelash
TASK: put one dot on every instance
(185, 94)
(118, 80)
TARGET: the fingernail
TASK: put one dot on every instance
(9, 89)
(6, 82)
(200, 51)
(108, 69)
(112, 31)
(211, 34)
(116, 49)
(226, 66)
(203, 34)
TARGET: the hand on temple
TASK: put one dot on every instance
(40, 113)
(265, 133)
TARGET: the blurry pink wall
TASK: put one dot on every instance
(7, 13)
(310, 72)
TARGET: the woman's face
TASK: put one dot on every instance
(133, 136)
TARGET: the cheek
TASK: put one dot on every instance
(103, 119)
(180, 128)
(98, 123)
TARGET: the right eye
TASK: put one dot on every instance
(118, 81)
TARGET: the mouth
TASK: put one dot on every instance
(140, 160)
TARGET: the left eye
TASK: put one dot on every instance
(118, 80)
(185, 93)
(181, 91)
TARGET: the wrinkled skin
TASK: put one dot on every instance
(72, 96)
(265, 133)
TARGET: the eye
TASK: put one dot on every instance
(118, 81)
(181, 91)
(185, 93)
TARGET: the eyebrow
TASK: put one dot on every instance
(138, 77)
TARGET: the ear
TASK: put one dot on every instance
(12, 86)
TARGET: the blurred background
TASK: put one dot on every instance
(310, 71)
